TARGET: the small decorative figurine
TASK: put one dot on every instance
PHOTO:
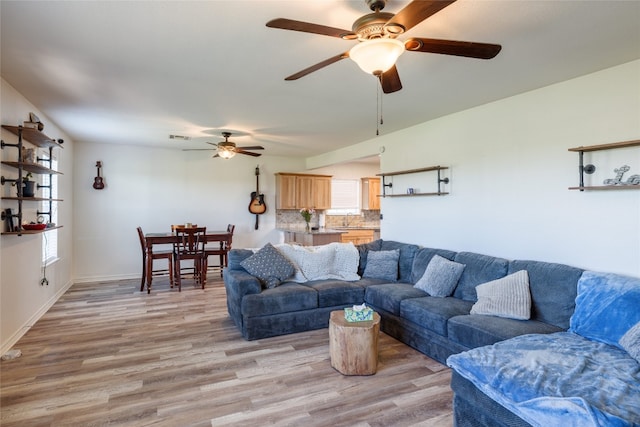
(633, 179)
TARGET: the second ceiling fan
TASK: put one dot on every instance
(378, 47)
(227, 149)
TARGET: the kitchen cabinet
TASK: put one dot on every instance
(358, 237)
(370, 193)
(297, 191)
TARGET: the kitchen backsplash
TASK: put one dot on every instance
(291, 218)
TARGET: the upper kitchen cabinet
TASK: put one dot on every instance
(297, 191)
(371, 193)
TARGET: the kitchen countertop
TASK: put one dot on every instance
(335, 230)
(320, 231)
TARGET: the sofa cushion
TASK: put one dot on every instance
(332, 293)
(422, 258)
(269, 265)
(405, 262)
(382, 265)
(363, 249)
(478, 269)
(389, 296)
(287, 297)
(441, 277)
(607, 306)
(476, 330)
(433, 313)
(553, 290)
(506, 297)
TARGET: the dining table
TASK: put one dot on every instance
(167, 238)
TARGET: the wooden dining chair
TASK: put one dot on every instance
(190, 246)
(221, 250)
(147, 265)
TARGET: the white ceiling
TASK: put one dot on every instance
(133, 72)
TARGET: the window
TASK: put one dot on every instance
(50, 238)
(345, 197)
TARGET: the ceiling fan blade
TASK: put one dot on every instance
(416, 12)
(390, 80)
(453, 47)
(211, 143)
(306, 27)
(248, 153)
(317, 66)
(252, 147)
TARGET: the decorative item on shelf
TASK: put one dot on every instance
(28, 186)
(33, 123)
(28, 155)
(307, 213)
(358, 313)
(633, 179)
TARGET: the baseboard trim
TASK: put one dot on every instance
(6, 346)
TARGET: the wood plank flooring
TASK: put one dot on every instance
(106, 354)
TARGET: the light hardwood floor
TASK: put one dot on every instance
(106, 354)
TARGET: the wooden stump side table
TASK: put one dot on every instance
(353, 345)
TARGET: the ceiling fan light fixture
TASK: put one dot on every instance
(226, 149)
(376, 56)
(226, 153)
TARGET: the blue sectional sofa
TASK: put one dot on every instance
(436, 326)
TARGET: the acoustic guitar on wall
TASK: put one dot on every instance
(257, 205)
(98, 182)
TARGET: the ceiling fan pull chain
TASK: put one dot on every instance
(378, 108)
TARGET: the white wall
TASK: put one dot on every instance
(22, 299)
(154, 188)
(510, 170)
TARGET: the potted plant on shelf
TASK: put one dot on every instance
(28, 186)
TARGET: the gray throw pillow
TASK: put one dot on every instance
(382, 265)
(630, 341)
(441, 277)
(269, 266)
(506, 297)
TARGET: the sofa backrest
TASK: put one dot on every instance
(553, 290)
(405, 262)
(422, 258)
(236, 256)
(478, 269)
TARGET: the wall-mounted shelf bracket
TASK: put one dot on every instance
(589, 169)
(440, 181)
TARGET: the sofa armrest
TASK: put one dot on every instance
(239, 283)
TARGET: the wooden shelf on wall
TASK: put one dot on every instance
(600, 147)
(34, 136)
(17, 233)
(439, 181)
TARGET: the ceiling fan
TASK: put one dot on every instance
(227, 149)
(378, 47)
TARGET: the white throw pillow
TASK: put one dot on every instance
(506, 297)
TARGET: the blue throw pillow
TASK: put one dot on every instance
(607, 306)
(269, 266)
(382, 265)
(441, 277)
